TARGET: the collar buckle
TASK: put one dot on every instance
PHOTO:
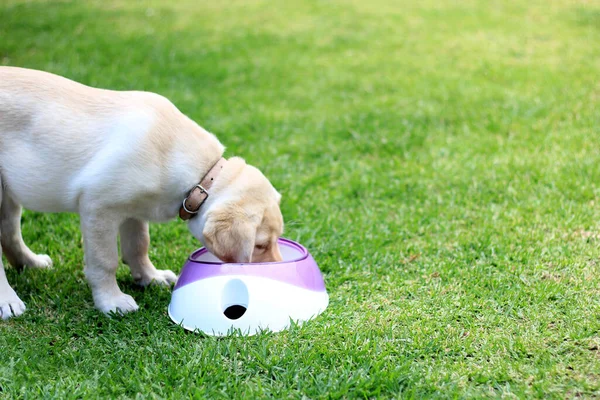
(203, 193)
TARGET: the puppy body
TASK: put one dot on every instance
(119, 159)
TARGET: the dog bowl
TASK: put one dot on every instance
(218, 298)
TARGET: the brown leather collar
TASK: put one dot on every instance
(198, 195)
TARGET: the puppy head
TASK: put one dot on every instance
(241, 220)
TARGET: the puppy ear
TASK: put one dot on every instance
(230, 235)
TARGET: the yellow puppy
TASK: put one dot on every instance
(119, 160)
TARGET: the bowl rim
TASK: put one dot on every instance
(281, 241)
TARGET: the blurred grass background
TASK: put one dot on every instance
(440, 160)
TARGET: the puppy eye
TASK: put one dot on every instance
(261, 246)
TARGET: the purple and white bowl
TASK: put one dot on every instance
(217, 298)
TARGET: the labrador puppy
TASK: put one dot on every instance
(120, 160)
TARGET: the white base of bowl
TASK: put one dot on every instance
(221, 305)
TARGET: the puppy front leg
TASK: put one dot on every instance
(101, 261)
(135, 240)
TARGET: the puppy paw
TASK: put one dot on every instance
(118, 304)
(10, 305)
(40, 261)
(158, 277)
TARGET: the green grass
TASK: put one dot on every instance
(440, 160)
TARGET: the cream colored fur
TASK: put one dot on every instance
(119, 160)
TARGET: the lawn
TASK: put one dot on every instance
(440, 160)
